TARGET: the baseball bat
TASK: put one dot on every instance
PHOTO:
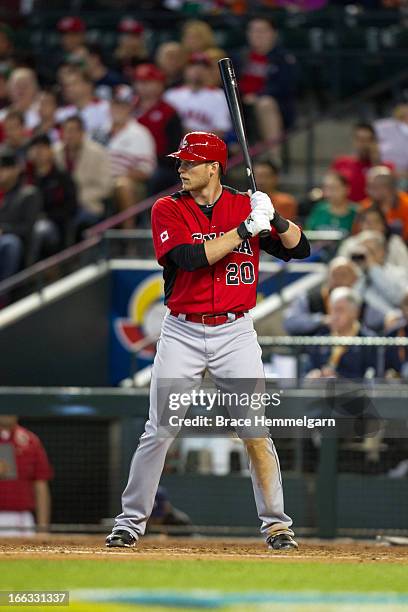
(229, 81)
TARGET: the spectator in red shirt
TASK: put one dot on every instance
(355, 167)
(267, 81)
(24, 475)
(162, 121)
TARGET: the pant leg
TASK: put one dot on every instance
(235, 353)
(180, 358)
(45, 240)
(11, 255)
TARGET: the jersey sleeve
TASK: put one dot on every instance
(168, 228)
(42, 467)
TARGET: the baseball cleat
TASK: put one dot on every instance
(120, 539)
(282, 541)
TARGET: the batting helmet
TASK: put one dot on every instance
(202, 147)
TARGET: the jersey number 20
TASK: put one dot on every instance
(242, 273)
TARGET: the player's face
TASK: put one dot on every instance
(195, 175)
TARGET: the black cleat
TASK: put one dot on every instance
(120, 539)
(282, 541)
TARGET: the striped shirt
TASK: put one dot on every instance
(132, 148)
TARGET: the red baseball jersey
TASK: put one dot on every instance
(227, 286)
(17, 494)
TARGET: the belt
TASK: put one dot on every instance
(209, 319)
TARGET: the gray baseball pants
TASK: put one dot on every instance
(184, 351)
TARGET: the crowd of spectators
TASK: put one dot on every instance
(88, 136)
(366, 290)
(85, 136)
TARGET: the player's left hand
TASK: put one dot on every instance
(260, 201)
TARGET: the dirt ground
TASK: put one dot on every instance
(163, 547)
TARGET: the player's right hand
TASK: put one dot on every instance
(256, 222)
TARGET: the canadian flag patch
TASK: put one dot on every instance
(164, 236)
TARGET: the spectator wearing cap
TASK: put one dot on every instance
(103, 78)
(52, 231)
(47, 109)
(131, 49)
(366, 155)
(268, 81)
(20, 206)
(78, 90)
(23, 94)
(88, 164)
(16, 135)
(383, 192)
(199, 106)
(267, 180)
(72, 32)
(160, 119)
(171, 58)
(132, 152)
(25, 501)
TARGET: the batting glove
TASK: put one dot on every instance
(260, 201)
(256, 222)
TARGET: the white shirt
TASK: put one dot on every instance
(132, 148)
(393, 142)
(95, 115)
(203, 110)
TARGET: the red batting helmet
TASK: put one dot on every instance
(201, 147)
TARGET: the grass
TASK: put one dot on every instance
(228, 576)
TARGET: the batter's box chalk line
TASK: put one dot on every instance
(218, 599)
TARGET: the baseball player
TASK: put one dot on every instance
(206, 239)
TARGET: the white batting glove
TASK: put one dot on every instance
(256, 222)
(262, 202)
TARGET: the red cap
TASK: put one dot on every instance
(149, 72)
(202, 146)
(128, 25)
(199, 58)
(71, 24)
